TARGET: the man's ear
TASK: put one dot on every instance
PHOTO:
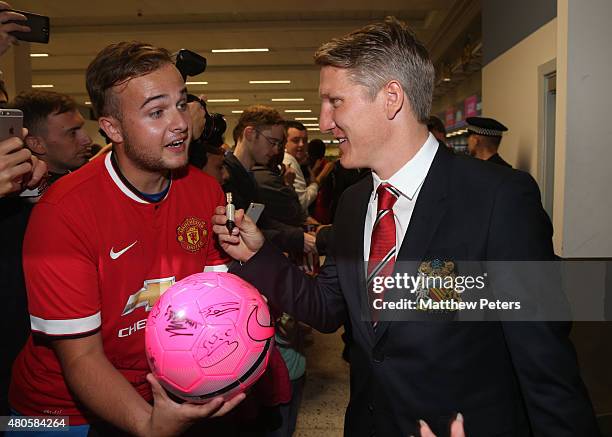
(394, 98)
(112, 127)
(250, 133)
(36, 144)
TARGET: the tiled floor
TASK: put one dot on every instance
(327, 388)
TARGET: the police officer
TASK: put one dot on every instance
(484, 137)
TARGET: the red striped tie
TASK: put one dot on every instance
(382, 245)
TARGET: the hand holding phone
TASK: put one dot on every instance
(26, 26)
(19, 169)
(15, 165)
(11, 123)
(254, 211)
(10, 21)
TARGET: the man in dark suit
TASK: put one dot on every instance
(484, 138)
(507, 379)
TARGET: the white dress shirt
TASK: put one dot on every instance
(408, 180)
(306, 193)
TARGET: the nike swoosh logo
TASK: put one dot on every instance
(256, 330)
(115, 255)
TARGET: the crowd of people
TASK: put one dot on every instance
(107, 225)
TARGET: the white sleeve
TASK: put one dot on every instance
(306, 193)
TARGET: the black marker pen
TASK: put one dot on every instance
(229, 213)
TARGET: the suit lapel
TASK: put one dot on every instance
(429, 209)
(428, 212)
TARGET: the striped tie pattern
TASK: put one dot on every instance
(382, 245)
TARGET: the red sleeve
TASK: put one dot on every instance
(60, 271)
(274, 386)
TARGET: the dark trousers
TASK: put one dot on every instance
(289, 411)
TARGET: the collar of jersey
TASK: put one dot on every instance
(123, 184)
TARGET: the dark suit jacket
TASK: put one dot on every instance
(507, 379)
(282, 202)
(496, 159)
(245, 190)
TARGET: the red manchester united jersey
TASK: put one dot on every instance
(96, 257)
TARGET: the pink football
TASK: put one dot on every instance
(209, 335)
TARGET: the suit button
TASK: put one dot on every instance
(370, 408)
(379, 358)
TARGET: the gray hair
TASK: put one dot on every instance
(380, 52)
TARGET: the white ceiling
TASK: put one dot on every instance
(291, 30)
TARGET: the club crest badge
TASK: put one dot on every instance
(191, 234)
(436, 279)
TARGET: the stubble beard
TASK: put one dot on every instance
(144, 161)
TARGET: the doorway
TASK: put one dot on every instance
(546, 127)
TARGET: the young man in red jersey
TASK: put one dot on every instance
(104, 243)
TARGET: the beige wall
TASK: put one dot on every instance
(510, 94)
(578, 40)
(560, 129)
(583, 210)
(16, 69)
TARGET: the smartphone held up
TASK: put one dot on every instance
(11, 126)
(11, 123)
(39, 27)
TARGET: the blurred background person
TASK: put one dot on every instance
(206, 154)
(56, 130)
(320, 209)
(295, 155)
(208, 158)
(259, 134)
(280, 198)
(56, 135)
(436, 127)
(484, 138)
(18, 168)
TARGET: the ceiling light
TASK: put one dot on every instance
(43, 86)
(312, 128)
(222, 100)
(306, 118)
(87, 102)
(298, 110)
(237, 112)
(268, 81)
(311, 124)
(196, 83)
(447, 73)
(238, 50)
(297, 99)
(39, 55)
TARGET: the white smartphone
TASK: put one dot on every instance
(11, 123)
(254, 211)
(34, 192)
